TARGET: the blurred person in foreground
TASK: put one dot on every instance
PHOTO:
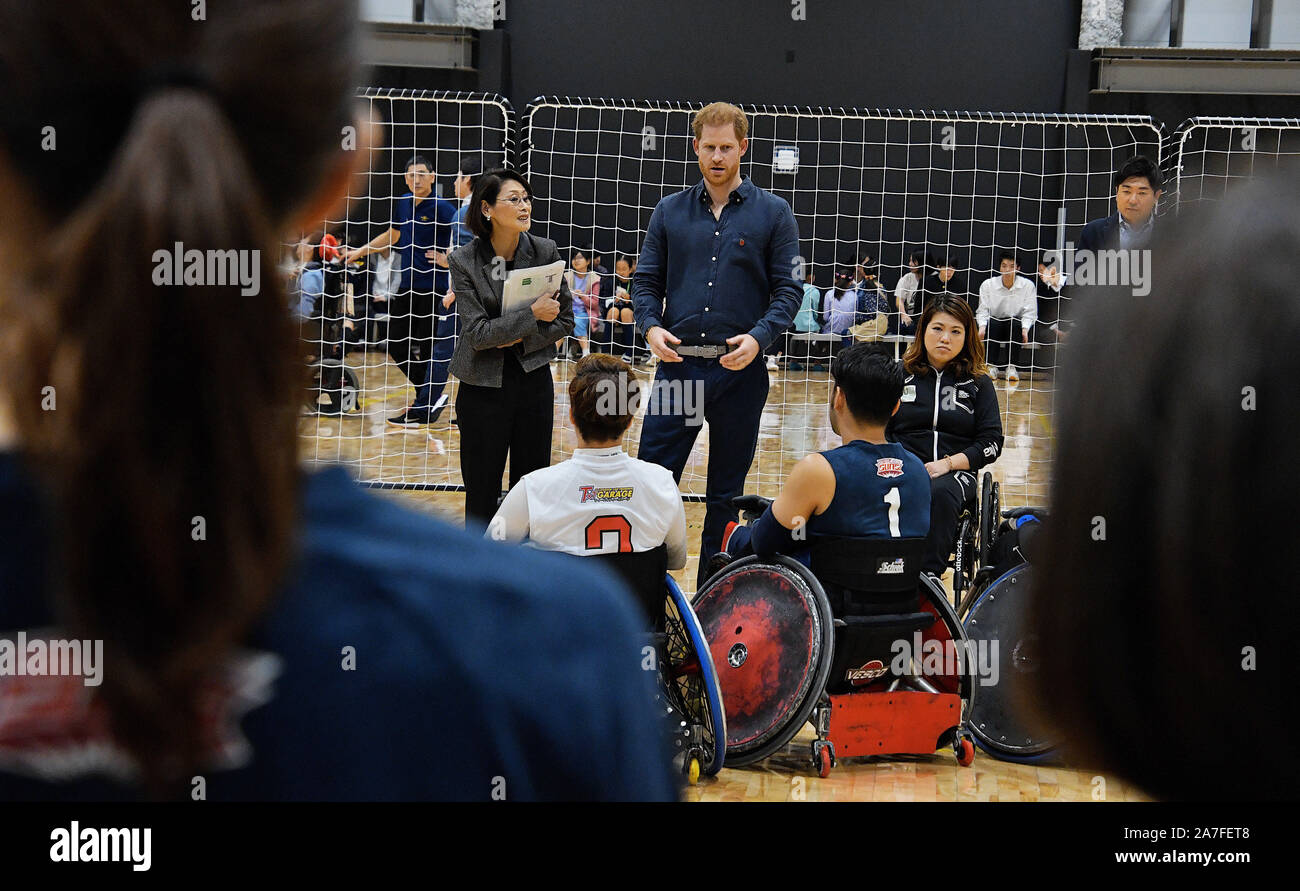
(1163, 602)
(283, 634)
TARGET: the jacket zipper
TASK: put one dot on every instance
(934, 427)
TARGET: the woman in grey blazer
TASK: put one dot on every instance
(505, 404)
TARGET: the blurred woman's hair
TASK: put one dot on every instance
(969, 360)
(1162, 602)
(171, 459)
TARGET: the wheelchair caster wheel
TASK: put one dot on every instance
(693, 771)
(823, 756)
(964, 749)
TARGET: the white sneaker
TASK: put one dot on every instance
(993, 373)
(771, 363)
(1013, 376)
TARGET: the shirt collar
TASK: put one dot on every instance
(738, 194)
(598, 453)
(1137, 230)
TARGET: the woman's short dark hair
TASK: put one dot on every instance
(1165, 558)
(486, 190)
(604, 393)
(922, 258)
(971, 358)
(870, 379)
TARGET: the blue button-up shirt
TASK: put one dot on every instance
(706, 280)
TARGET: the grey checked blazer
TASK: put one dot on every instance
(483, 329)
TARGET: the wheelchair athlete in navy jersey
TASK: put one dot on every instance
(866, 488)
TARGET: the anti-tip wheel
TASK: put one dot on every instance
(964, 749)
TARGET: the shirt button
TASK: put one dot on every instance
(706, 309)
(710, 284)
(715, 259)
(717, 233)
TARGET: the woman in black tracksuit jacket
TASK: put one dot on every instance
(948, 416)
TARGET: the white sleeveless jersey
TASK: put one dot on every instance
(600, 501)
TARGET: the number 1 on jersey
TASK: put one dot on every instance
(893, 500)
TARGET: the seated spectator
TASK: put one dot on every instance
(558, 507)
(604, 276)
(267, 633)
(868, 487)
(840, 306)
(949, 281)
(618, 309)
(948, 417)
(807, 319)
(584, 282)
(909, 295)
(873, 303)
(1172, 513)
(1007, 311)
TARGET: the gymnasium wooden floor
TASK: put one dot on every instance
(793, 423)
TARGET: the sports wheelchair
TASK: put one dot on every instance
(992, 613)
(846, 643)
(976, 531)
(688, 683)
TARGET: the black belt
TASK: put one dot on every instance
(705, 351)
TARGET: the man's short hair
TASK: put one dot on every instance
(1007, 255)
(605, 394)
(871, 380)
(717, 113)
(418, 159)
(471, 166)
(1141, 166)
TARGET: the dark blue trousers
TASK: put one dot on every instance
(436, 369)
(732, 403)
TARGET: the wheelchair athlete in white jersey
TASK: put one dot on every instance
(602, 500)
(627, 513)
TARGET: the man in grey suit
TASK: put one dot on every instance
(505, 403)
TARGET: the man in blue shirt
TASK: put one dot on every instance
(714, 287)
(430, 398)
(421, 234)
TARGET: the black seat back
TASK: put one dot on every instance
(872, 585)
(869, 576)
(643, 572)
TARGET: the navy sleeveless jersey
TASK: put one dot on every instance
(404, 659)
(881, 491)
